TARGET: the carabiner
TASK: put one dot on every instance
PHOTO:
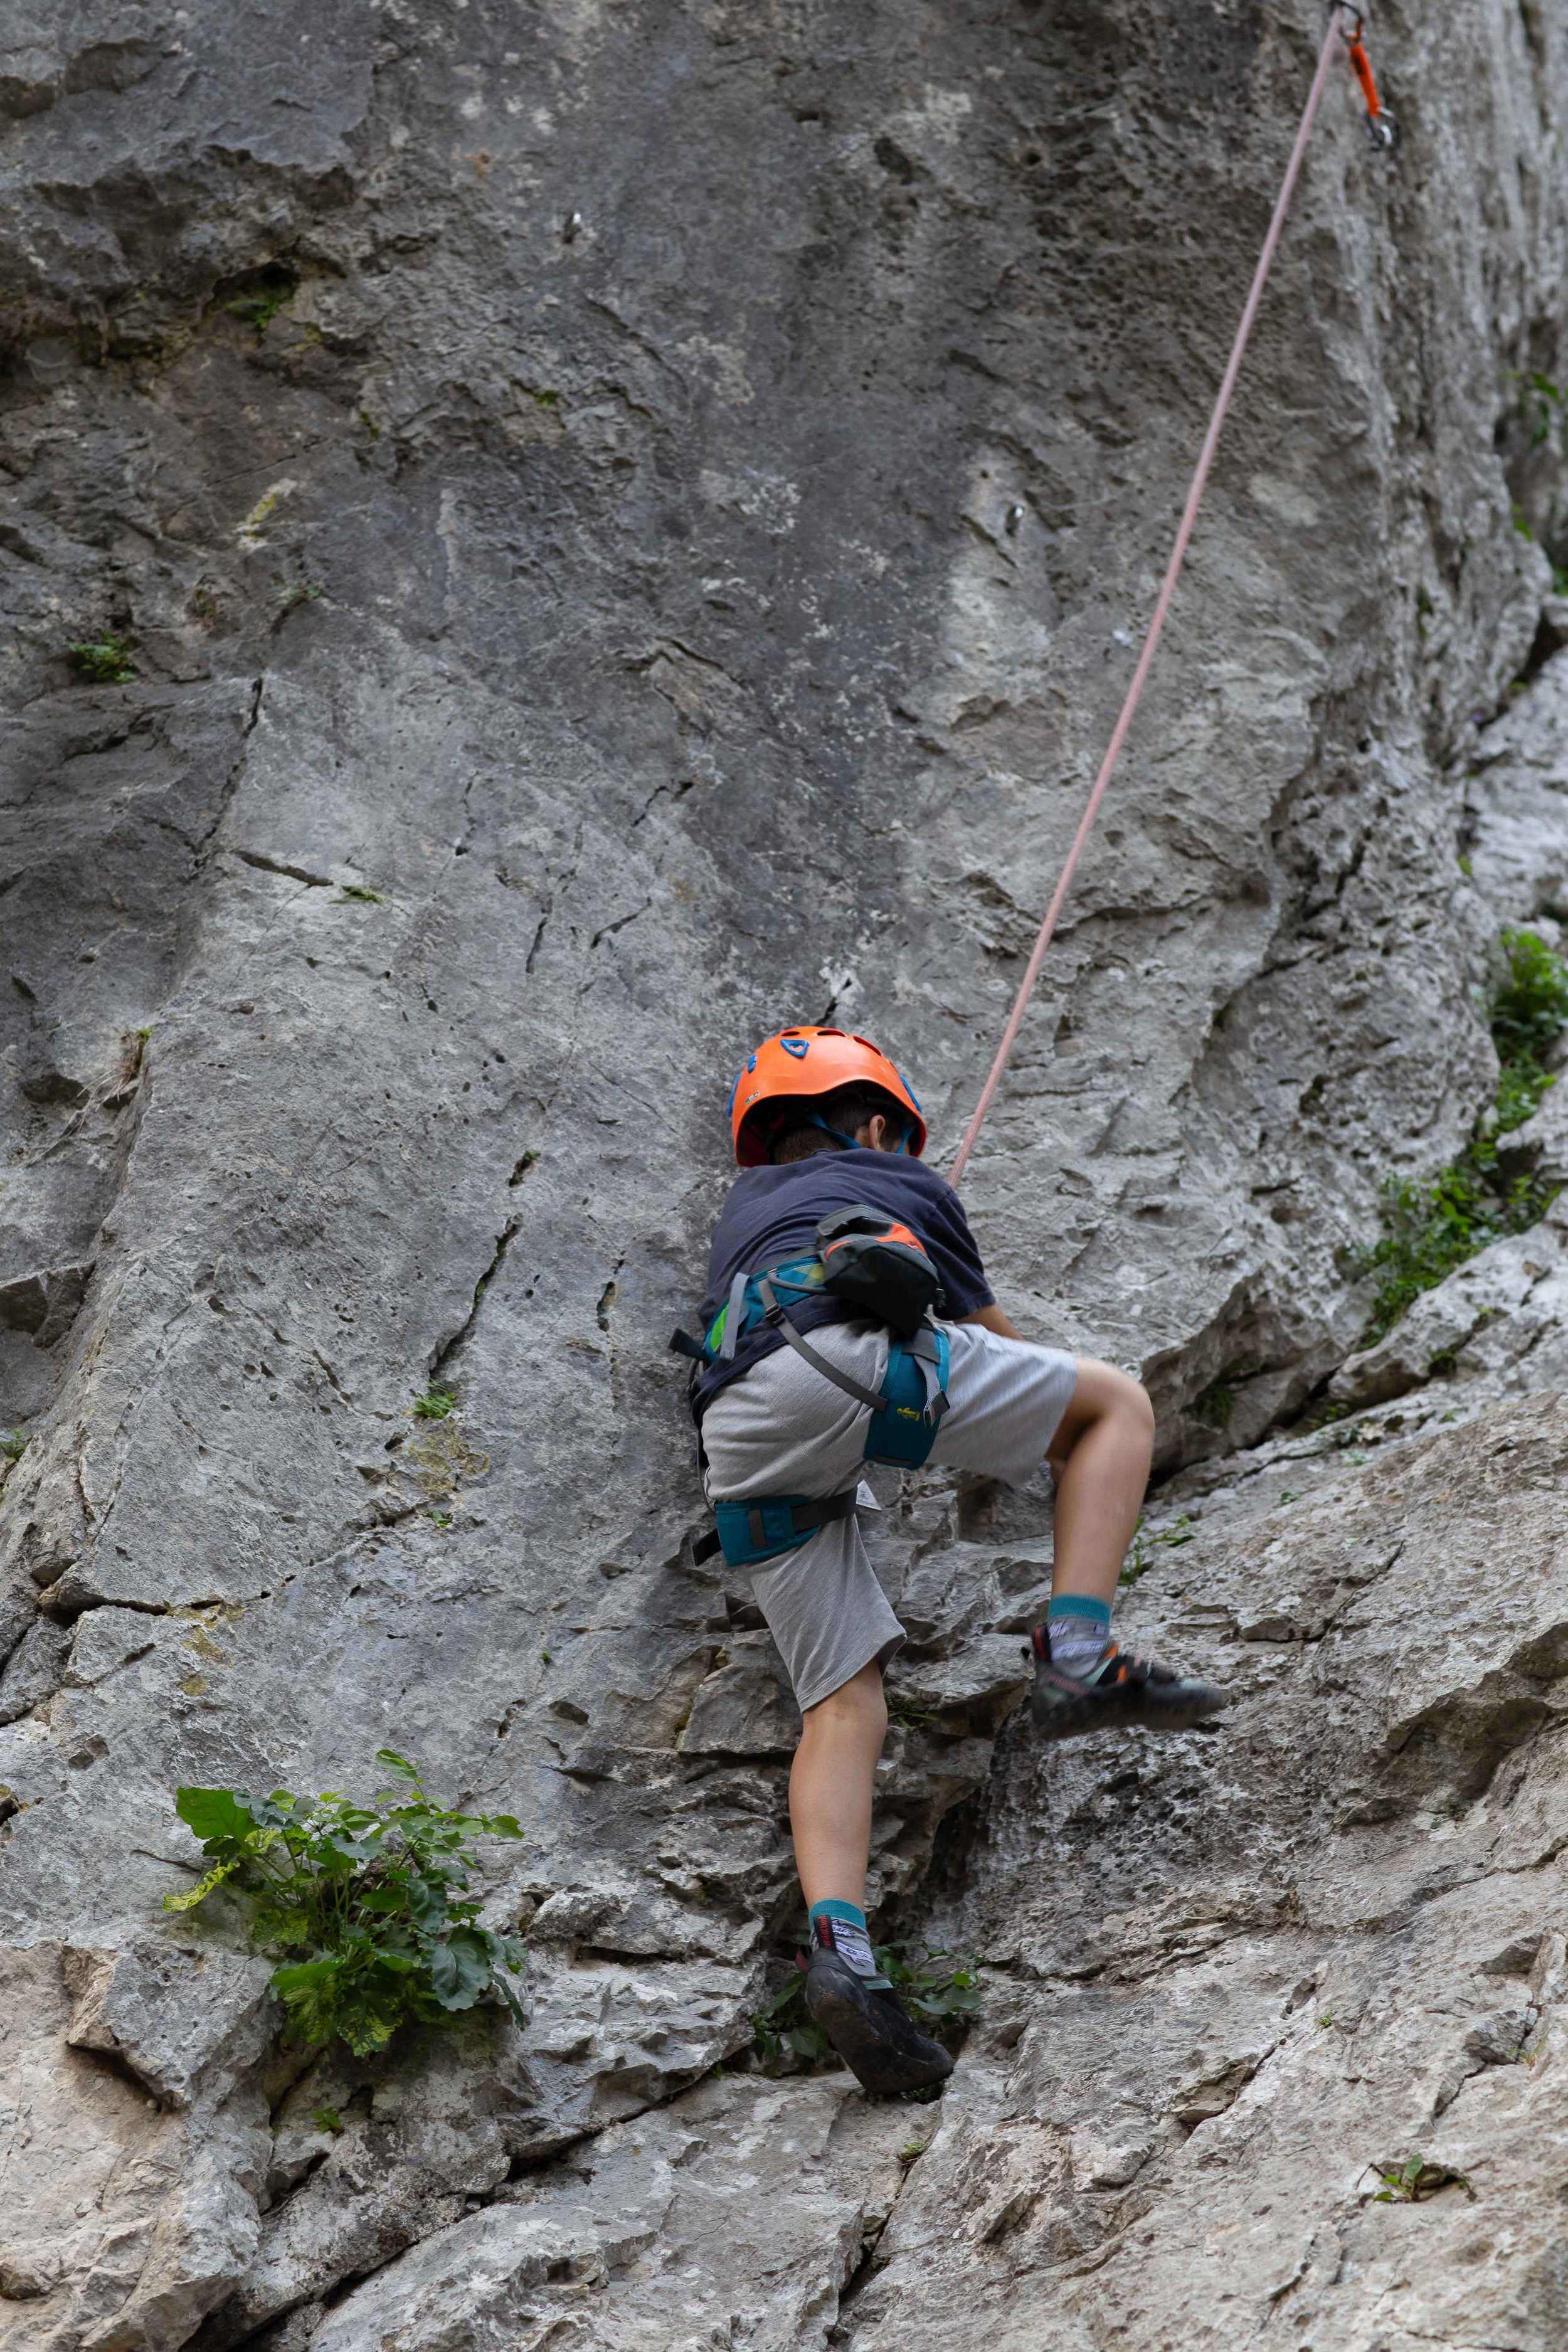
(1381, 127)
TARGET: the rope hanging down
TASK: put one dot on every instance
(1344, 22)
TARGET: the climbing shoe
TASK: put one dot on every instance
(868, 2026)
(1119, 1690)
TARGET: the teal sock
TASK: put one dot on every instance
(1077, 1629)
(841, 1927)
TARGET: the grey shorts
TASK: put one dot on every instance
(782, 1429)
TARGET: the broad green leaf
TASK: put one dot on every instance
(304, 1975)
(396, 1763)
(427, 1906)
(783, 1999)
(460, 1970)
(501, 1825)
(212, 1814)
(337, 1861)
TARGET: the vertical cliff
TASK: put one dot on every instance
(596, 532)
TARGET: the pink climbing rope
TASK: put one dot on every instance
(1189, 517)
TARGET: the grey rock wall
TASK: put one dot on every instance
(655, 552)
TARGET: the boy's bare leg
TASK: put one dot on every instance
(830, 1787)
(1100, 1457)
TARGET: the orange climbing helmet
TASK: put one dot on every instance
(806, 1061)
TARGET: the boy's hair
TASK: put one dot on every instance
(846, 1110)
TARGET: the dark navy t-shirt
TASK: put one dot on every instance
(772, 1213)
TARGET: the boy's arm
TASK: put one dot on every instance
(994, 1319)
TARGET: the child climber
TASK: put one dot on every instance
(818, 1356)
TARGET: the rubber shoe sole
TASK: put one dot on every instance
(1062, 1708)
(881, 2046)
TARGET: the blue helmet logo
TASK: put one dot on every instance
(798, 1046)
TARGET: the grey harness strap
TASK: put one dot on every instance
(921, 1345)
(734, 1315)
(786, 1331)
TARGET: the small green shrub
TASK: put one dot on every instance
(1529, 1013)
(12, 1445)
(1146, 1539)
(355, 893)
(1215, 1404)
(366, 1904)
(908, 1711)
(1412, 2182)
(1543, 403)
(436, 1404)
(104, 661)
(1432, 1225)
(939, 1990)
(259, 310)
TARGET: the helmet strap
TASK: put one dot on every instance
(849, 1143)
(814, 1118)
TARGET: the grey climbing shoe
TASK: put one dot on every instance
(1122, 1690)
(881, 2046)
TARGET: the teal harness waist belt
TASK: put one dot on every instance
(905, 1412)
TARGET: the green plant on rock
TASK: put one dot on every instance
(1543, 403)
(908, 1711)
(258, 310)
(1412, 2182)
(1431, 1226)
(367, 1905)
(436, 1404)
(1215, 1403)
(12, 1445)
(355, 893)
(103, 661)
(1145, 1539)
(1529, 1013)
(940, 1989)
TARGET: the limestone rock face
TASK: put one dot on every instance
(1244, 1982)
(541, 544)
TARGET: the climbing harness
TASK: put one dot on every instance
(748, 1533)
(1346, 22)
(881, 1269)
